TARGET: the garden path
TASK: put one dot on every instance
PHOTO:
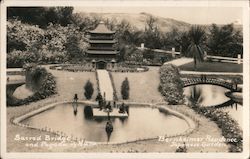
(180, 61)
(105, 84)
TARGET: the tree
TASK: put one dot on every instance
(225, 41)
(72, 47)
(184, 43)
(152, 34)
(41, 16)
(85, 22)
(89, 90)
(171, 38)
(197, 36)
(30, 15)
(125, 89)
(23, 36)
(132, 54)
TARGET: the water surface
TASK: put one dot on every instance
(212, 95)
(143, 122)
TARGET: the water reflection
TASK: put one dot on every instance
(211, 95)
(142, 122)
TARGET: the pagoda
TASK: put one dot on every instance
(102, 50)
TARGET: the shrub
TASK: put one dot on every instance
(125, 89)
(133, 55)
(47, 57)
(40, 81)
(35, 77)
(171, 85)
(17, 58)
(88, 90)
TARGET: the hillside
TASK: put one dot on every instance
(139, 20)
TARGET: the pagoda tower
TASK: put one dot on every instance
(102, 50)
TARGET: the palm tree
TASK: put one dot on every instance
(197, 36)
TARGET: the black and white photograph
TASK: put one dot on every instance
(123, 79)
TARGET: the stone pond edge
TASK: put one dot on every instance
(193, 123)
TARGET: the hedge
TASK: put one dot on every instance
(171, 85)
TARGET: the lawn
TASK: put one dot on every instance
(213, 67)
(143, 86)
(69, 83)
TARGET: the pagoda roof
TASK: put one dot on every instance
(102, 41)
(101, 28)
(102, 52)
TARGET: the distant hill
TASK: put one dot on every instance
(139, 20)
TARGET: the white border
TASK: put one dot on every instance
(124, 3)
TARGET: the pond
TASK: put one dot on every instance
(212, 95)
(142, 122)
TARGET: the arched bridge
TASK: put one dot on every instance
(13, 84)
(213, 81)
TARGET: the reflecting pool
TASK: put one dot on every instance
(143, 122)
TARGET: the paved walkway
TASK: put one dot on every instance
(14, 69)
(180, 61)
(13, 79)
(105, 84)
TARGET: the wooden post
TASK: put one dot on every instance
(205, 55)
(142, 46)
(239, 59)
(173, 52)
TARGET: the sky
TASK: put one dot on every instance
(192, 15)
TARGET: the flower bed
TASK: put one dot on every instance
(129, 68)
(230, 128)
(87, 67)
(73, 68)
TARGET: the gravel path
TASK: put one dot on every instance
(180, 61)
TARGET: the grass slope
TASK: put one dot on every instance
(143, 86)
(69, 83)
